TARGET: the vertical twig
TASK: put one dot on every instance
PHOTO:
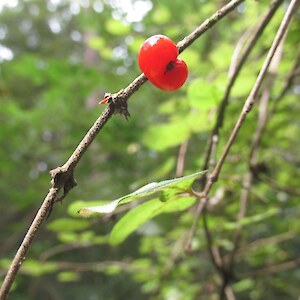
(181, 158)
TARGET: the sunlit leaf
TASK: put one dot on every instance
(35, 268)
(177, 185)
(162, 136)
(116, 27)
(68, 276)
(203, 95)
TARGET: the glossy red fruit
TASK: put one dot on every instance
(158, 61)
(173, 78)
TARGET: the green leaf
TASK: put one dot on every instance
(74, 207)
(116, 27)
(173, 186)
(161, 15)
(253, 219)
(65, 224)
(68, 276)
(243, 285)
(162, 136)
(144, 212)
(36, 268)
(203, 95)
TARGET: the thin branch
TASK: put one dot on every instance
(187, 41)
(246, 109)
(264, 116)
(253, 153)
(181, 158)
(63, 177)
(20, 255)
(289, 265)
(192, 233)
(277, 186)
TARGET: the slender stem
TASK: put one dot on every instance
(218, 15)
(181, 158)
(273, 269)
(88, 138)
(47, 204)
(20, 255)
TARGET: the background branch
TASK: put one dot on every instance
(209, 160)
(63, 177)
(252, 97)
(253, 156)
(213, 177)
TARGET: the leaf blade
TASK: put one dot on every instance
(145, 191)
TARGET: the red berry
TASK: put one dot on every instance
(158, 61)
(173, 78)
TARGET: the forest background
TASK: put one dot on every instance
(57, 60)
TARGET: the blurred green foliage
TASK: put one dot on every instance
(57, 59)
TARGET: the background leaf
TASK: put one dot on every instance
(144, 212)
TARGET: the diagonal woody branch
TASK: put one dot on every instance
(63, 177)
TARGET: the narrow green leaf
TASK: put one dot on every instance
(178, 185)
(75, 206)
(68, 276)
(35, 268)
(253, 219)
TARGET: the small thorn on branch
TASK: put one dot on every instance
(118, 101)
(62, 178)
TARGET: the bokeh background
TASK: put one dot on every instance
(57, 60)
